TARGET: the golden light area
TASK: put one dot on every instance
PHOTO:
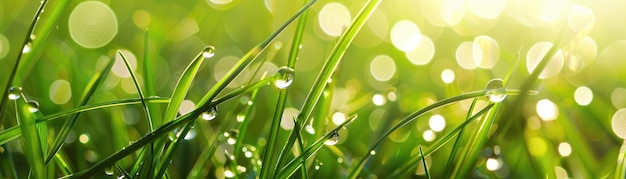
(382, 68)
(60, 91)
(581, 53)
(447, 76)
(581, 19)
(423, 53)
(486, 52)
(487, 9)
(618, 97)
(186, 106)
(537, 52)
(465, 55)
(286, 122)
(92, 24)
(583, 95)
(452, 11)
(618, 123)
(220, 2)
(547, 110)
(437, 123)
(119, 67)
(565, 149)
(405, 35)
(560, 172)
(334, 18)
(537, 146)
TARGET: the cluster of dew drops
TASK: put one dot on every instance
(15, 93)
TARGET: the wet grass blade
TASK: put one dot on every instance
(35, 45)
(412, 163)
(335, 57)
(184, 83)
(90, 89)
(30, 139)
(294, 164)
(14, 132)
(456, 146)
(417, 114)
(424, 162)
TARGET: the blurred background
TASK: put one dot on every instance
(408, 55)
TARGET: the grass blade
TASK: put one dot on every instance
(455, 147)
(335, 57)
(620, 170)
(424, 162)
(90, 89)
(400, 171)
(30, 139)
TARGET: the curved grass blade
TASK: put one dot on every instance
(296, 163)
(424, 162)
(620, 170)
(412, 163)
(90, 89)
(14, 132)
(184, 82)
(455, 147)
(335, 57)
(268, 156)
(30, 139)
(418, 113)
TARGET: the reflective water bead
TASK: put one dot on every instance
(109, 171)
(27, 47)
(286, 77)
(15, 93)
(210, 114)
(495, 90)
(332, 139)
(33, 106)
(208, 52)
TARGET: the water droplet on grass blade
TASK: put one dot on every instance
(286, 77)
(109, 171)
(27, 47)
(332, 139)
(228, 173)
(495, 90)
(231, 136)
(210, 114)
(15, 93)
(208, 52)
(33, 106)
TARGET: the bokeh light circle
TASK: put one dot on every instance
(486, 52)
(60, 91)
(92, 24)
(465, 56)
(334, 18)
(618, 123)
(4, 46)
(547, 110)
(537, 52)
(423, 53)
(583, 95)
(405, 35)
(487, 9)
(581, 19)
(382, 68)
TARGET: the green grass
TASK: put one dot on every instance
(279, 60)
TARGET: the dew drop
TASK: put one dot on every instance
(27, 47)
(109, 171)
(495, 90)
(241, 117)
(229, 174)
(332, 139)
(210, 114)
(15, 93)
(231, 136)
(286, 77)
(33, 106)
(372, 152)
(208, 52)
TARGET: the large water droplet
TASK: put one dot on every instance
(15, 93)
(495, 90)
(109, 171)
(208, 52)
(27, 47)
(210, 114)
(33, 106)
(332, 139)
(286, 77)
